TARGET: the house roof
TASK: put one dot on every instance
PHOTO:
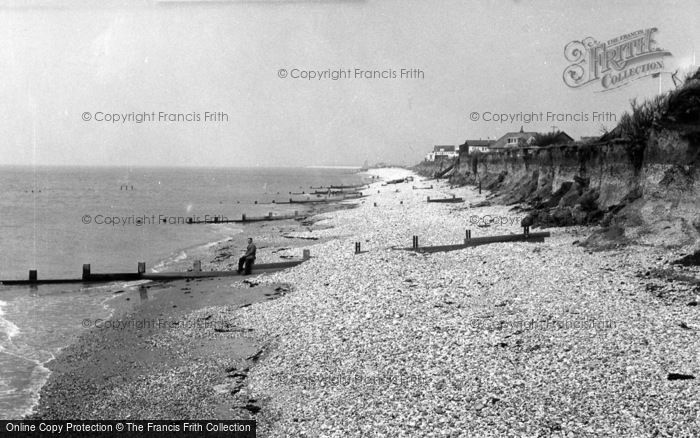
(503, 141)
(444, 148)
(479, 143)
(564, 137)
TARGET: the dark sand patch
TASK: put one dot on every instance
(112, 362)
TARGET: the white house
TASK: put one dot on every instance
(442, 151)
(471, 146)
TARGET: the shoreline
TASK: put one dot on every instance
(120, 305)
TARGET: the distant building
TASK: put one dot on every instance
(522, 139)
(471, 146)
(514, 139)
(442, 151)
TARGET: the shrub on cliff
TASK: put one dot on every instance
(684, 103)
(635, 127)
(547, 139)
(676, 107)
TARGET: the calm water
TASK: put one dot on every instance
(43, 215)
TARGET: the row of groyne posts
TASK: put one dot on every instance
(415, 188)
(141, 274)
(470, 241)
(244, 218)
(196, 271)
(346, 195)
(338, 190)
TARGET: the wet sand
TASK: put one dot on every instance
(94, 378)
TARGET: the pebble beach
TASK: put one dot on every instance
(506, 339)
(509, 339)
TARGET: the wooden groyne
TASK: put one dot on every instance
(141, 274)
(334, 192)
(397, 181)
(452, 199)
(269, 217)
(244, 219)
(314, 201)
(356, 186)
(318, 200)
(326, 200)
(470, 241)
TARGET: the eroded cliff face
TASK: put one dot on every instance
(652, 197)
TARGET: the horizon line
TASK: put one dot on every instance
(315, 166)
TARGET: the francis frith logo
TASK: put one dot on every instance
(613, 63)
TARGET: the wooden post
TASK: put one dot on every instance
(142, 268)
(415, 242)
(32, 275)
(526, 231)
(269, 214)
(428, 198)
(143, 293)
(453, 196)
(273, 201)
(479, 186)
(375, 204)
(86, 271)
(357, 247)
(468, 236)
(197, 266)
(307, 254)
(243, 217)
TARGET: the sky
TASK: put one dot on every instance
(67, 66)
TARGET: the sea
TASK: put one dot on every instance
(55, 219)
